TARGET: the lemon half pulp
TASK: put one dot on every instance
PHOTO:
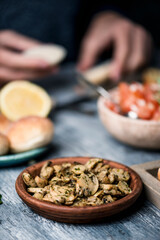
(20, 99)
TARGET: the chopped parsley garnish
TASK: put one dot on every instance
(1, 199)
(77, 168)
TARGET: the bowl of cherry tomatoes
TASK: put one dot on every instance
(141, 99)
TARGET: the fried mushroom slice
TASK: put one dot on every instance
(36, 190)
(112, 177)
(80, 202)
(66, 165)
(28, 180)
(78, 169)
(124, 188)
(47, 188)
(47, 170)
(38, 196)
(119, 175)
(92, 163)
(48, 198)
(99, 194)
(108, 199)
(93, 201)
(102, 176)
(59, 181)
(87, 184)
(66, 169)
(40, 182)
(105, 167)
(57, 170)
(110, 189)
(97, 167)
(62, 194)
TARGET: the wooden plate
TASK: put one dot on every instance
(148, 173)
(78, 214)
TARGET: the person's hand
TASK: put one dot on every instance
(13, 65)
(132, 44)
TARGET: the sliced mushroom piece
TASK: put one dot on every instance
(98, 167)
(93, 201)
(57, 170)
(66, 169)
(110, 189)
(66, 165)
(112, 177)
(80, 202)
(28, 180)
(36, 190)
(105, 167)
(100, 193)
(92, 163)
(87, 184)
(59, 181)
(72, 183)
(38, 196)
(62, 194)
(47, 188)
(102, 176)
(78, 169)
(108, 199)
(41, 182)
(66, 179)
(124, 188)
(48, 198)
(55, 180)
(46, 170)
(120, 174)
(126, 176)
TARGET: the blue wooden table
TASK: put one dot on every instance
(78, 132)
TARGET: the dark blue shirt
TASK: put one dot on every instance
(65, 21)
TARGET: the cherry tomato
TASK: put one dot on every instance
(156, 115)
(138, 98)
(112, 106)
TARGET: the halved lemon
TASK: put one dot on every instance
(20, 99)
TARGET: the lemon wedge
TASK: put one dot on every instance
(20, 99)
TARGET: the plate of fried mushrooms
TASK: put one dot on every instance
(78, 189)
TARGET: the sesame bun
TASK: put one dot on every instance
(51, 53)
(5, 124)
(29, 133)
(4, 144)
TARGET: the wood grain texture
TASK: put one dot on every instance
(78, 214)
(148, 173)
(77, 134)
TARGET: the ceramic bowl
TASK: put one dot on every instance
(86, 214)
(135, 132)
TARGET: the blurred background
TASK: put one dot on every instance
(69, 23)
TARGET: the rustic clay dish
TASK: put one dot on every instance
(78, 214)
(136, 132)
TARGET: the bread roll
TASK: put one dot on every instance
(29, 133)
(51, 53)
(4, 144)
(98, 74)
(5, 124)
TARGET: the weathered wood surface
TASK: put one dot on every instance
(77, 134)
